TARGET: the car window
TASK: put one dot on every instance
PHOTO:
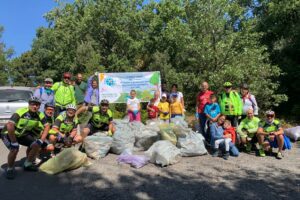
(11, 95)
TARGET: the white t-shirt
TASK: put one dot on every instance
(133, 103)
(180, 95)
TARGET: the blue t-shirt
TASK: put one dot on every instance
(212, 109)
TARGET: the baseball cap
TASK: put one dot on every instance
(49, 80)
(164, 95)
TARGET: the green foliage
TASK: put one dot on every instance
(280, 23)
(187, 41)
(4, 63)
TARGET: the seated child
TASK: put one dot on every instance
(152, 110)
(176, 108)
(133, 107)
(228, 136)
(164, 109)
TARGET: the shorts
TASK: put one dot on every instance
(94, 129)
(25, 140)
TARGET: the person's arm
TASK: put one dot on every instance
(55, 86)
(181, 109)
(255, 107)
(139, 105)
(197, 103)
(182, 101)
(81, 110)
(240, 127)
(45, 132)
(73, 95)
(261, 131)
(87, 97)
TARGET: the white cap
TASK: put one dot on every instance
(164, 95)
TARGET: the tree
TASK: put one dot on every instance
(187, 41)
(5, 54)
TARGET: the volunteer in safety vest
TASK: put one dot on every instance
(101, 119)
(29, 128)
(270, 131)
(64, 129)
(231, 104)
(64, 94)
(247, 129)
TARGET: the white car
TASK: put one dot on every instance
(11, 99)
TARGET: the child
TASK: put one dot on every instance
(133, 107)
(228, 136)
(212, 110)
(164, 109)
(152, 110)
(176, 108)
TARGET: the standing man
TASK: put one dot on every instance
(203, 98)
(64, 93)
(80, 89)
(29, 128)
(45, 94)
(231, 104)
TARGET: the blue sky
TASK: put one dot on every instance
(20, 19)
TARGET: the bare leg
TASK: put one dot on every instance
(11, 158)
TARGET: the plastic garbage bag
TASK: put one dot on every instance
(122, 139)
(166, 133)
(293, 133)
(136, 161)
(97, 146)
(153, 125)
(191, 145)
(181, 131)
(163, 153)
(179, 121)
(68, 159)
(145, 139)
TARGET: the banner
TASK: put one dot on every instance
(115, 87)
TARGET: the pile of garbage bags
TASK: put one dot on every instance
(293, 133)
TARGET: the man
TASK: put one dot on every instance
(203, 98)
(80, 89)
(64, 94)
(27, 127)
(64, 129)
(247, 129)
(45, 94)
(101, 119)
(231, 104)
(164, 89)
(270, 134)
(92, 95)
(49, 113)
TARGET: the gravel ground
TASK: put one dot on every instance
(204, 177)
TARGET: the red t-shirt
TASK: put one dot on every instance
(231, 131)
(203, 98)
(151, 114)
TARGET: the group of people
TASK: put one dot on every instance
(51, 119)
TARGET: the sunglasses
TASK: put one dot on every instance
(48, 82)
(270, 116)
(67, 77)
(104, 105)
(227, 87)
(34, 104)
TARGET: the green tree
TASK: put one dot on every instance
(5, 54)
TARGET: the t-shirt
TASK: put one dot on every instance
(152, 114)
(133, 103)
(176, 108)
(80, 92)
(212, 109)
(164, 108)
(251, 125)
(98, 118)
(203, 98)
(65, 125)
(270, 127)
(94, 97)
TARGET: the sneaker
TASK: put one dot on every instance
(226, 155)
(31, 168)
(215, 153)
(279, 155)
(248, 148)
(261, 153)
(10, 174)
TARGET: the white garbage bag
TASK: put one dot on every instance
(191, 145)
(163, 153)
(97, 146)
(145, 139)
(122, 139)
(293, 133)
(179, 121)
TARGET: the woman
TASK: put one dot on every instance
(249, 101)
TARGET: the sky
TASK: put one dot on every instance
(20, 19)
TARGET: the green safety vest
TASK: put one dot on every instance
(64, 94)
(27, 124)
(231, 105)
(65, 127)
(99, 119)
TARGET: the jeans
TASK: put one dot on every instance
(202, 121)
